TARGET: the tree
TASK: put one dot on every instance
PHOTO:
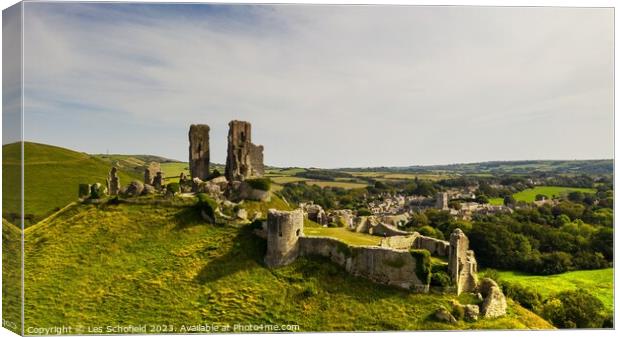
(574, 309)
(509, 200)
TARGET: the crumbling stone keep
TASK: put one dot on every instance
(283, 232)
(199, 151)
(244, 159)
(114, 183)
(462, 263)
(159, 180)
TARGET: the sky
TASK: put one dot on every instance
(323, 86)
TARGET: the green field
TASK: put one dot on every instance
(496, 201)
(172, 171)
(51, 177)
(599, 283)
(341, 184)
(146, 264)
(529, 195)
(352, 238)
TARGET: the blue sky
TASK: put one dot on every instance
(324, 86)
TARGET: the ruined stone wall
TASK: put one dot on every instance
(114, 183)
(462, 264)
(244, 159)
(199, 151)
(382, 229)
(435, 246)
(378, 264)
(283, 232)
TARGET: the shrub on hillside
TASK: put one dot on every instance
(574, 309)
(173, 188)
(263, 184)
(440, 279)
(527, 297)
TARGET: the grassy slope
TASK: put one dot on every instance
(352, 238)
(52, 175)
(133, 264)
(529, 195)
(599, 283)
(11, 276)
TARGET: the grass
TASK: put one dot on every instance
(598, 282)
(496, 201)
(529, 195)
(51, 177)
(341, 184)
(146, 264)
(172, 171)
(286, 179)
(11, 276)
(347, 236)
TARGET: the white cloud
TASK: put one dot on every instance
(325, 86)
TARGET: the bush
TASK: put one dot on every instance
(263, 184)
(207, 205)
(423, 264)
(97, 191)
(214, 174)
(458, 311)
(173, 188)
(575, 309)
(527, 297)
(440, 279)
(363, 212)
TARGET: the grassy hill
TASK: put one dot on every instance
(599, 283)
(51, 177)
(146, 264)
(11, 276)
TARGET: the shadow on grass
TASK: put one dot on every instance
(246, 252)
(188, 217)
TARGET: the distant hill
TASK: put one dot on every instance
(602, 166)
(133, 162)
(51, 177)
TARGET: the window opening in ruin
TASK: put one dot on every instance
(298, 232)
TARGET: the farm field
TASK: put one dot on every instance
(172, 171)
(529, 195)
(341, 184)
(598, 282)
(94, 260)
(353, 238)
(496, 201)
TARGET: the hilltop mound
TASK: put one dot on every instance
(51, 177)
(142, 264)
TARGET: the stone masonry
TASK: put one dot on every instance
(199, 151)
(244, 159)
(283, 232)
(114, 183)
(462, 264)
(441, 201)
(150, 172)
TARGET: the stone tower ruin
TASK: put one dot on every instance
(442, 201)
(462, 264)
(244, 159)
(114, 183)
(283, 232)
(199, 151)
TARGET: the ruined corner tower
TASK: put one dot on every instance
(199, 151)
(462, 264)
(244, 159)
(283, 231)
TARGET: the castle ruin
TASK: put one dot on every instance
(442, 201)
(199, 151)
(391, 264)
(244, 159)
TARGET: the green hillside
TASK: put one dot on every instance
(11, 276)
(51, 177)
(146, 264)
(599, 283)
(529, 195)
